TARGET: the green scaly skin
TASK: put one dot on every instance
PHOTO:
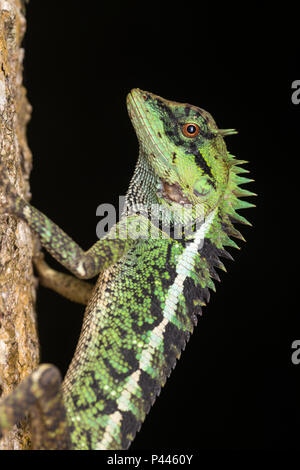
(145, 304)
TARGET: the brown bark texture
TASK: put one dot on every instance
(19, 350)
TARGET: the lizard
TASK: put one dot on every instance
(154, 279)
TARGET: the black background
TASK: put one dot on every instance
(235, 386)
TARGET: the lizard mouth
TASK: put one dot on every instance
(172, 192)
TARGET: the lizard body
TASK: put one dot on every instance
(150, 288)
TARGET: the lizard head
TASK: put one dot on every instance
(185, 149)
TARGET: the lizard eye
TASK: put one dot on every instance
(190, 130)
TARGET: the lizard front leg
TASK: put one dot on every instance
(83, 264)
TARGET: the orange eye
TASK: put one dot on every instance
(190, 129)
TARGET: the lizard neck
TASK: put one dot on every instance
(144, 184)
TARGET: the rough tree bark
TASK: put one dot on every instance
(19, 352)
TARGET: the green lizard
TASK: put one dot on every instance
(152, 281)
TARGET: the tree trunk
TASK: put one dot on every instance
(19, 351)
